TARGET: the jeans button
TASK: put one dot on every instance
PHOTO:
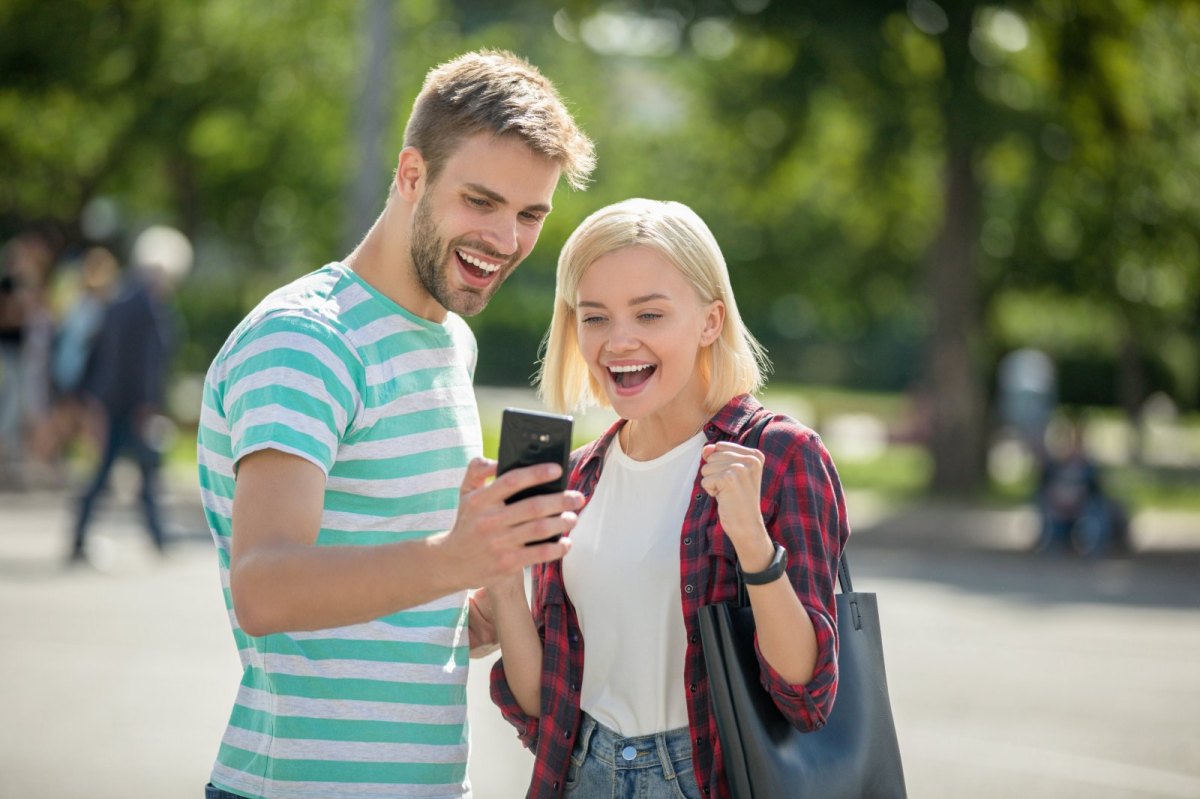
(629, 753)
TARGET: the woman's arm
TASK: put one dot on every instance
(732, 474)
(520, 646)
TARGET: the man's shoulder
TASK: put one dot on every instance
(311, 305)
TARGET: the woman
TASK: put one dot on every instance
(645, 321)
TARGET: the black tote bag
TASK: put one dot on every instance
(854, 756)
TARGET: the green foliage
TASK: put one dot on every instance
(812, 138)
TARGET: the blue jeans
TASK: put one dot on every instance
(213, 792)
(606, 766)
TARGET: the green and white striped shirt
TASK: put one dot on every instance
(329, 369)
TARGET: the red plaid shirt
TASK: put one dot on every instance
(804, 510)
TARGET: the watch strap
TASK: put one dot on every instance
(773, 572)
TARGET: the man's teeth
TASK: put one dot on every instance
(631, 368)
(478, 264)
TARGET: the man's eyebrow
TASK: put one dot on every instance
(500, 200)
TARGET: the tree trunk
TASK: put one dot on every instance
(956, 393)
(373, 108)
(1131, 390)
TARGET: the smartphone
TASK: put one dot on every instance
(531, 437)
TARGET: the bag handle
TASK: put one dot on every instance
(751, 440)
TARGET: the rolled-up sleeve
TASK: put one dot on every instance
(526, 725)
(810, 522)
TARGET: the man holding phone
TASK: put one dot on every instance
(339, 462)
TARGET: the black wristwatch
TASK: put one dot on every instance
(770, 574)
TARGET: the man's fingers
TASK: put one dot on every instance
(541, 505)
(517, 480)
(540, 553)
(543, 528)
(478, 472)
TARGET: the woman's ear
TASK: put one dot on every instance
(410, 173)
(714, 323)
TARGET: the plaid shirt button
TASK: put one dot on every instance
(688, 588)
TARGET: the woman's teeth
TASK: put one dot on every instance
(631, 375)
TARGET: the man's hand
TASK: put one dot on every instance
(492, 540)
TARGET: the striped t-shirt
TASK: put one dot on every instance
(329, 369)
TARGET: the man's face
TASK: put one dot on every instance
(478, 220)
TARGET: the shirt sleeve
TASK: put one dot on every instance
(809, 519)
(527, 726)
(289, 386)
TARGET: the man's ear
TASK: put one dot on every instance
(714, 322)
(410, 173)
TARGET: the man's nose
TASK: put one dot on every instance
(502, 236)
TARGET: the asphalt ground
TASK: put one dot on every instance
(1011, 674)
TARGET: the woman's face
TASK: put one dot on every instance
(641, 328)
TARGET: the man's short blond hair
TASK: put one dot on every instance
(494, 91)
(735, 363)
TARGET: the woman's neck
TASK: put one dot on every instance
(652, 437)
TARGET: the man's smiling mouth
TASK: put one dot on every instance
(481, 267)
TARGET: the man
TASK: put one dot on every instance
(338, 451)
(126, 375)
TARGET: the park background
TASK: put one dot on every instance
(906, 193)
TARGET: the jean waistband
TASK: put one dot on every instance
(665, 749)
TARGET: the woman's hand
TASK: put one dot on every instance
(732, 475)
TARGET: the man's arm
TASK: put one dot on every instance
(281, 582)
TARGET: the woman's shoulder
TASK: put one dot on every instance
(784, 433)
(590, 451)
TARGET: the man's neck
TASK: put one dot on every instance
(384, 260)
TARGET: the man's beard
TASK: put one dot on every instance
(429, 256)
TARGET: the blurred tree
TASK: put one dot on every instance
(951, 128)
(903, 191)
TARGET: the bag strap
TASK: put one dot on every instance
(751, 440)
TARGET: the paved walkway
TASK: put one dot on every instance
(1011, 675)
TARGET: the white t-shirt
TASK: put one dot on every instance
(622, 575)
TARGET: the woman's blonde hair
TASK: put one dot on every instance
(735, 363)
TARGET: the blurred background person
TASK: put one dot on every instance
(1074, 510)
(88, 299)
(12, 320)
(125, 378)
(26, 335)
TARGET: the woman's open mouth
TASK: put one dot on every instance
(631, 376)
